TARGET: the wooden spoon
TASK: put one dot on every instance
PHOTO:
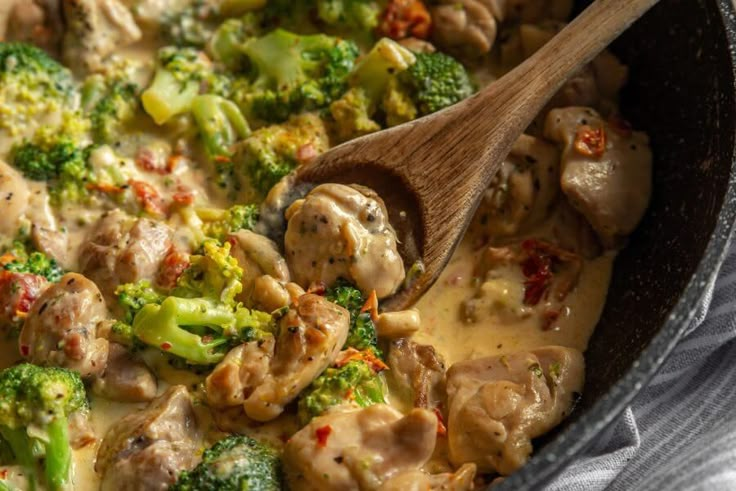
(432, 172)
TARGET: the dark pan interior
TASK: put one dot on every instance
(682, 93)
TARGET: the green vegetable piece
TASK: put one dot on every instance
(26, 260)
(115, 109)
(362, 335)
(218, 224)
(436, 81)
(132, 297)
(220, 124)
(215, 275)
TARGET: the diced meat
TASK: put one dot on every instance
(258, 256)
(418, 371)
(95, 30)
(461, 480)
(18, 292)
(523, 191)
(264, 376)
(53, 243)
(464, 26)
(146, 450)
(61, 327)
(530, 10)
(606, 170)
(126, 378)
(497, 405)
(341, 231)
(270, 294)
(358, 448)
(122, 249)
(14, 196)
(35, 21)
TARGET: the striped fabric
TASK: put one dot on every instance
(680, 432)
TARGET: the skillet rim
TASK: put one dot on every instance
(559, 453)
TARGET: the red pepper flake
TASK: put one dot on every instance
(537, 268)
(148, 197)
(25, 350)
(322, 434)
(104, 188)
(222, 159)
(350, 394)
(367, 356)
(590, 141)
(317, 288)
(305, 153)
(371, 305)
(441, 427)
(166, 346)
(3, 473)
(173, 162)
(405, 18)
(621, 126)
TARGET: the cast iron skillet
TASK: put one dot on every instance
(683, 93)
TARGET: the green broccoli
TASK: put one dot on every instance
(33, 86)
(362, 335)
(215, 274)
(355, 382)
(311, 72)
(192, 26)
(218, 223)
(19, 259)
(132, 297)
(111, 105)
(220, 124)
(226, 44)
(436, 81)
(272, 152)
(181, 75)
(199, 330)
(35, 404)
(349, 15)
(58, 160)
(234, 464)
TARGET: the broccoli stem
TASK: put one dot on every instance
(167, 96)
(58, 460)
(220, 123)
(22, 448)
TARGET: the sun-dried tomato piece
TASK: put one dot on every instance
(590, 141)
(322, 434)
(172, 267)
(405, 18)
(148, 197)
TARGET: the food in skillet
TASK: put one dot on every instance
(162, 328)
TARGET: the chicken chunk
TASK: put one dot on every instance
(95, 30)
(462, 480)
(125, 379)
(34, 21)
(269, 294)
(498, 404)
(122, 249)
(606, 170)
(341, 231)
(418, 371)
(464, 26)
(14, 196)
(146, 450)
(258, 256)
(61, 327)
(264, 376)
(524, 189)
(358, 448)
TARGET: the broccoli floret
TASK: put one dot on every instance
(436, 81)
(181, 75)
(111, 105)
(376, 69)
(32, 86)
(234, 464)
(311, 72)
(35, 404)
(226, 44)
(192, 26)
(218, 224)
(199, 330)
(351, 116)
(362, 335)
(349, 14)
(58, 160)
(215, 275)
(220, 124)
(18, 259)
(132, 297)
(355, 382)
(272, 152)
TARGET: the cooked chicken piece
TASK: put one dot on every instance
(53, 243)
(126, 378)
(264, 376)
(358, 448)
(397, 325)
(150, 13)
(462, 480)
(258, 256)
(465, 26)
(269, 294)
(81, 432)
(341, 231)
(14, 196)
(524, 189)
(417, 45)
(61, 327)
(418, 372)
(606, 170)
(497, 405)
(95, 30)
(146, 450)
(34, 21)
(123, 249)
(18, 292)
(530, 10)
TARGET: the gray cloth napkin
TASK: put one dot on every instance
(680, 432)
